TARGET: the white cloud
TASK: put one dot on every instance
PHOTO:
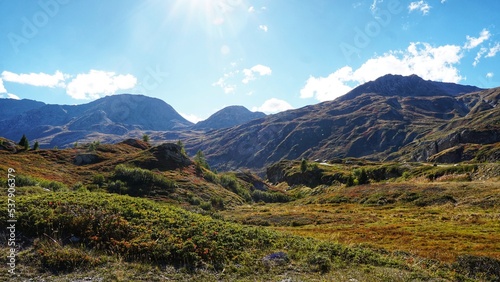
(10, 96)
(490, 75)
(473, 42)
(37, 79)
(192, 118)
(251, 9)
(443, 1)
(493, 51)
(13, 96)
(2, 88)
(479, 55)
(422, 59)
(373, 6)
(228, 82)
(257, 69)
(273, 106)
(328, 88)
(96, 84)
(263, 27)
(222, 82)
(421, 6)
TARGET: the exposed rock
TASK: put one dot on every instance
(86, 159)
(167, 156)
(8, 145)
(136, 143)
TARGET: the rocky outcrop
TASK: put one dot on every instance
(8, 146)
(136, 143)
(167, 156)
(450, 149)
(86, 159)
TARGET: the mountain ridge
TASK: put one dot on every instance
(227, 117)
(393, 117)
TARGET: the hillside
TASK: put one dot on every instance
(132, 211)
(359, 124)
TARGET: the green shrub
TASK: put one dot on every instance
(320, 262)
(99, 180)
(231, 183)
(270, 197)
(206, 206)
(24, 180)
(140, 181)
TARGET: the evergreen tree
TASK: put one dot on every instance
(36, 146)
(363, 177)
(145, 138)
(200, 160)
(24, 142)
(303, 166)
(180, 144)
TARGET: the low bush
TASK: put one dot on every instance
(270, 197)
(139, 182)
(478, 267)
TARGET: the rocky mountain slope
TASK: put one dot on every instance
(109, 118)
(228, 117)
(393, 117)
(12, 107)
(374, 121)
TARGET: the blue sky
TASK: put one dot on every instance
(269, 55)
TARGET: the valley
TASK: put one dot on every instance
(398, 180)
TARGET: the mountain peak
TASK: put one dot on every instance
(227, 117)
(408, 86)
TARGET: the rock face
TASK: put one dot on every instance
(228, 117)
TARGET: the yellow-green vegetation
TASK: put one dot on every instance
(66, 233)
(439, 213)
(106, 212)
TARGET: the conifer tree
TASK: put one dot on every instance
(24, 142)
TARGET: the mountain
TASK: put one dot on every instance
(391, 118)
(108, 118)
(228, 117)
(408, 86)
(374, 121)
(13, 107)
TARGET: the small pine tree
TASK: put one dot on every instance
(349, 181)
(303, 166)
(200, 160)
(183, 150)
(363, 177)
(24, 142)
(145, 138)
(36, 146)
